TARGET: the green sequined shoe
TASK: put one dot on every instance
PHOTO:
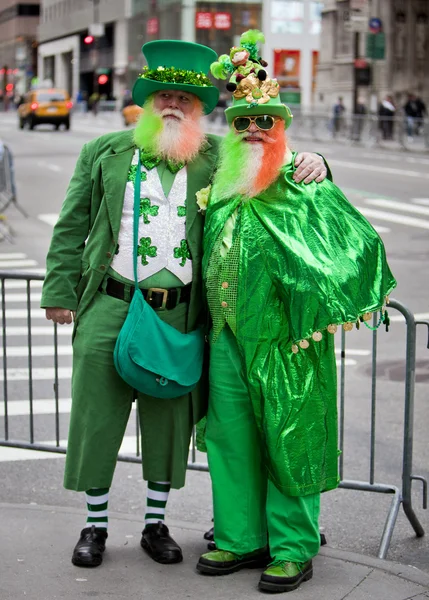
(284, 576)
(222, 562)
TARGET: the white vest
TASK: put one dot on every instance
(162, 229)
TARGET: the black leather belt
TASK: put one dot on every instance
(156, 297)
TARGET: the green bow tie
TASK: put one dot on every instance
(149, 161)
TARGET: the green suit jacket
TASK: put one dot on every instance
(85, 237)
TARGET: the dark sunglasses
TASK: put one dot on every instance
(263, 122)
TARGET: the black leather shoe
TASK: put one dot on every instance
(88, 552)
(160, 546)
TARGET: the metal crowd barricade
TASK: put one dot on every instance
(7, 180)
(368, 131)
(401, 493)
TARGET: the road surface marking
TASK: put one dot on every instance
(352, 352)
(8, 264)
(34, 297)
(20, 408)
(22, 313)
(377, 169)
(381, 229)
(50, 219)
(417, 317)
(19, 284)
(12, 255)
(38, 373)
(128, 446)
(50, 166)
(393, 218)
(411, 208)
(46, 331)
(422, 201)
(19, 351)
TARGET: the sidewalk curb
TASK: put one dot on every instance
(405, 572)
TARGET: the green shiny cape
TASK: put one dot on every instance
(308, 259)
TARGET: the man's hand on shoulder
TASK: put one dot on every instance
(310, 167)
(60, 316)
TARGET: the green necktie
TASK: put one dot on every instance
(149, 161)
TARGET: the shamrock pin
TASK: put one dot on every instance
(182, 252)
(147, 209)
(145, 249)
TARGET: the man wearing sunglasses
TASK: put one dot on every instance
(90, 271)
(284, 266)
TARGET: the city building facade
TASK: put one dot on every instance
(83, 46)
(18, 46)
(292, 30)
(212, 23)
(347, 67)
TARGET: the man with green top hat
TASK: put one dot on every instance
(90, 280)
(284, 266)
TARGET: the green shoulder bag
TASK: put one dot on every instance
(150, 355)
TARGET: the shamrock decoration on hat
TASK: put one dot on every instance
(253, 92)
(242, 61)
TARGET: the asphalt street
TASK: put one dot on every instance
(390, 189)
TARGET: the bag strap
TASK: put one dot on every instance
(137, 185)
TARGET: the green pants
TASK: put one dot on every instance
(101, 405)
(249, 511)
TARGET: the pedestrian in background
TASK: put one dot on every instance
(421, 114)
(412, 111)
(338, 117)
(386, 114)
(359, 119)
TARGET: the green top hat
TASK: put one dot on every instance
(173, 64)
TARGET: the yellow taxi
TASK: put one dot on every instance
(131, 114)
(51, 106)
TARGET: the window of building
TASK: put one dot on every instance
(287, 16)
(316, 17)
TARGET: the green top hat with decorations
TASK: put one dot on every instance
(253, 93)
(173, 64)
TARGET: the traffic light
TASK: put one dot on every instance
(88, 39)
(103, 79)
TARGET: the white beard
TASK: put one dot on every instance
(244, 184)
(167, 139)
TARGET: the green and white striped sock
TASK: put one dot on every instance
(97, 500)
(156, 501)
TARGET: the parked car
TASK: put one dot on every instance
(131, 114)
(45, 106)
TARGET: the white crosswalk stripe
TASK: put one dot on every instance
(38, 373)
(393, 217)
(34, 297)
(401, 206)
(394, 212)
(47, 331)
(18, 351)
(128, 446)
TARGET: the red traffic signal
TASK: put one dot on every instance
(103, 79)
(88, 39)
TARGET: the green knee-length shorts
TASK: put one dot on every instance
(102, 401)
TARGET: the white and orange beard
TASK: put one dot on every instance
(250, 167)
(178, 139)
